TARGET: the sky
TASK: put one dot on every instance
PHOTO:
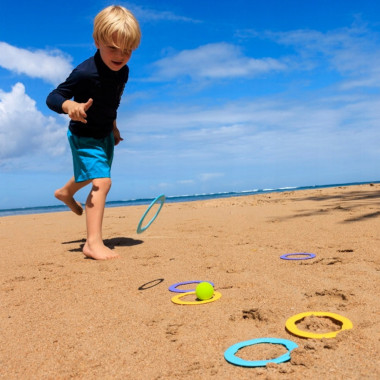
(222, 96)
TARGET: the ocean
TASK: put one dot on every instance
(173, 199)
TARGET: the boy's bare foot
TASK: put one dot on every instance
(69, 201)
(98, 252)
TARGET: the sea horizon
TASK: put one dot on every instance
(175, 198)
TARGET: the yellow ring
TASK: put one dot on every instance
(291, 324)
(177, 299)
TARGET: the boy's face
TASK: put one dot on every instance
(112, 56)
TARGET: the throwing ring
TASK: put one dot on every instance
(177, 299)
(308, 256)
(160, 198)
(230, 356)
(291, 324)
(173, 288)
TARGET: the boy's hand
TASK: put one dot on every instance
(77, 111)
(116, 135)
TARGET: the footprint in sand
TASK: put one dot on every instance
(172, 331)
(254, 314)
(328, 298)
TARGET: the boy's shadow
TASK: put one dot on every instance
(110, 243)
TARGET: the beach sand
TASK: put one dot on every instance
(64, 316)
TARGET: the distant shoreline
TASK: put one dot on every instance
(175, 198)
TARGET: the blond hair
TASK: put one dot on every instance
(116, 26)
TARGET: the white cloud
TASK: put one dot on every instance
(186, 181)
(25, 131)
(148, 14)
(353, 52)
(214, 61)
(210, 176)
(252, 132)
(51, 66)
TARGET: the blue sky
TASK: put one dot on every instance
(223, 96)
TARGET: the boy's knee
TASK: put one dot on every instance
(103, 184)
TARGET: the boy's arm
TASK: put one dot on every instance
(63, 92)
(66, 91)
(116, 133)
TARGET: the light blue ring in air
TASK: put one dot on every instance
(160, 198)
(229, 354)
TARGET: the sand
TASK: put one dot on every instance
(64, 316)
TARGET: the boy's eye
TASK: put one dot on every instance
(124, 52)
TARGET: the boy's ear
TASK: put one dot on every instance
(96, 44)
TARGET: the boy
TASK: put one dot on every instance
(96, 87)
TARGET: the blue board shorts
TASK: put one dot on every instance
(92, 158)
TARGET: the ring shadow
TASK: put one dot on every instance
(110, 243)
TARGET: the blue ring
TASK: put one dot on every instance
(160, 198)
(309, 256)
(173, 288)
(229, 354)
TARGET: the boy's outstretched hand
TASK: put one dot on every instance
(77, 111)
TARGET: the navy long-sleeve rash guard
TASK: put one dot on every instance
(92, 79)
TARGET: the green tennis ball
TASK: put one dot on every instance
(204, 291)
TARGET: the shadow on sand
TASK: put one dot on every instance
(110, 243)
(346, 202)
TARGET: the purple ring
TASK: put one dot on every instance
(309, 256)
(173, 288)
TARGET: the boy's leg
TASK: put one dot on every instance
(66, 195)
(94, 247)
